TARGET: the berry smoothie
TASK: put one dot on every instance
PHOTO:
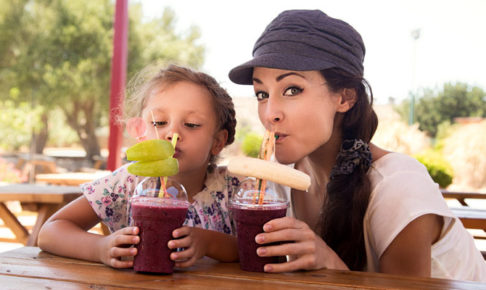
(249, 223)
(156, 219)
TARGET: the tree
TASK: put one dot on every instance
(57, 54)
(435, 107)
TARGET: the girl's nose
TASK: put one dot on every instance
(169, 135)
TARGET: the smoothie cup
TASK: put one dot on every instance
(250, 215)
(156, 216)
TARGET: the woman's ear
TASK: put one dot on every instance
(219, 142)
(348, 99)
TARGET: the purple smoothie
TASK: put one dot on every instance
(156, 220)
(249, 223)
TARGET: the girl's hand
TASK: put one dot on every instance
(307, 251)
(193, 242)
(117, 245)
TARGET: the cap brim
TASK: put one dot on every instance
(243, 74)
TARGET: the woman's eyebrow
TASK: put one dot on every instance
(281, 77)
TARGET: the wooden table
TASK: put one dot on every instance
(45, 199)
(462, 196)
(471, 218)
(30, 268)
(70, 178)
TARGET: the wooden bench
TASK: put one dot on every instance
(462, 196)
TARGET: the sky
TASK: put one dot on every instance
(451, 46)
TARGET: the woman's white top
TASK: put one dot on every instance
(401, 191)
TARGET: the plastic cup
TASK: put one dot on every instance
(156, 217)
(250, 216)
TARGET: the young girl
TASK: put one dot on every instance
(367, 208)
(175, 100)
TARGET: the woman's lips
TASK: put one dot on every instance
(177, 153)
(279, 137)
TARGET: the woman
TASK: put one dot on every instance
(367, 208)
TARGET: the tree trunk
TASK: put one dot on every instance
(82, 120)
(40, 137)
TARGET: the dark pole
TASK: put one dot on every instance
(118, 80)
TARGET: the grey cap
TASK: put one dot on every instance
(304, 40)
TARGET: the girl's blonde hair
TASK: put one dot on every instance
(151, 78)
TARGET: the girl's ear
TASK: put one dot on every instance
(137, 128)
(347, 101)
(219, 142)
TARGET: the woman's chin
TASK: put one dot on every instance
(286, 158)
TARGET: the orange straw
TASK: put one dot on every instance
(266, 151)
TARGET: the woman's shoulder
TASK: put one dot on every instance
(393, 162)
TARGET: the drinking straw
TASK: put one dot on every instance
(163, 189)
(266, 151)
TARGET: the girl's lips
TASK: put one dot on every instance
(177, 153)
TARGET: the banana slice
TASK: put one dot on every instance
(269, 170)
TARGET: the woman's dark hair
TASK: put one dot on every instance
(347, 197)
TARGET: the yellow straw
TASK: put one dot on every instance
(162, 180)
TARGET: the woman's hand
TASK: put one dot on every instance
(193, 242)
(307, 251)
(114, 247)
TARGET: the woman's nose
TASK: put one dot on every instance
(274, 111)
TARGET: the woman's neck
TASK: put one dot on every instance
(322, 160)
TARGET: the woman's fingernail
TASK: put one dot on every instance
(267, 268)
(261, 251)
(170, 244)
(259, 239)
(267, 227)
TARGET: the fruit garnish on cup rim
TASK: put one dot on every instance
(154, 158)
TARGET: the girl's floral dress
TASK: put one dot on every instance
(109, 197)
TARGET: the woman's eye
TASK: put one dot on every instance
(261, 95)
(192, 125)
(159, 123)
(292, 91)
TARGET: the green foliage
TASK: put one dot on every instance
(435, 107)
(251, 144)
(17, 122)
(439, 169)
(58, 53)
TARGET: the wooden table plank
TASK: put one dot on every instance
(31, 263)
(462, 196)
(70, 178)
(39, 193)
(471, 218)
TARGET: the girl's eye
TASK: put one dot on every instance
(159, 123)
(292, 91)
(261, 95)
(192, 125)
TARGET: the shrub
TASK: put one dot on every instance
(251, 144)
(439, 169)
